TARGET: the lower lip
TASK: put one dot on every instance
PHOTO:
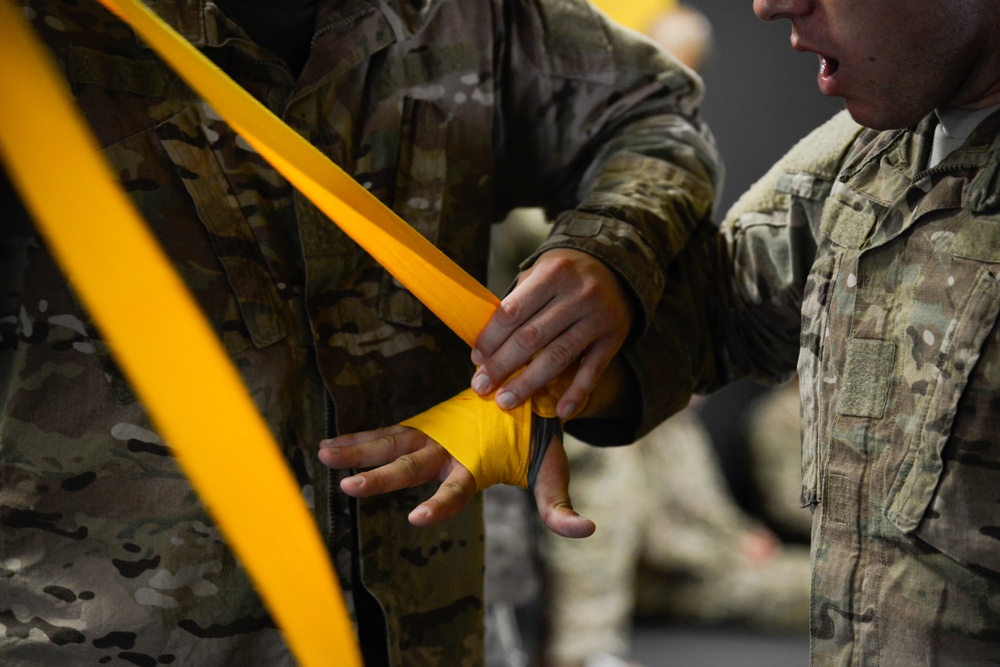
(827, 78)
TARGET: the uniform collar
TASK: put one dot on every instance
(983, 193)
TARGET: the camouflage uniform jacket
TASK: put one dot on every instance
(883, 278)
(451, 112)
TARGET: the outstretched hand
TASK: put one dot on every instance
(568, 306)
(403, 457)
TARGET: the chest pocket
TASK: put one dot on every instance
(946, 491)
(418, 195)
(173, 165)
(226, 179)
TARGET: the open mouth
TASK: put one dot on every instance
(828, 81)
(828, 66)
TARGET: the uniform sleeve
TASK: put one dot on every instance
(601, 128)
(731, 305)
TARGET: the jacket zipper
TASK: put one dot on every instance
(329, 431)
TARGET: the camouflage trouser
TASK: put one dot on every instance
(667, 528)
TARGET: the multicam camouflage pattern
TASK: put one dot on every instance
(895, 269)
(452, 113)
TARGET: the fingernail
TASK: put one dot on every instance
(506, 400)
(419, 513)
(567, 411)
(355, 481)
(477, 357)
(481, 383)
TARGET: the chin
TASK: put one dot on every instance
(879, 117)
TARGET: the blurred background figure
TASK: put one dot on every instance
(704, 559)
(773, 442)
(684, 31)
(671, 546)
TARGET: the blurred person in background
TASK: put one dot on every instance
(774, 437)
(672, 546)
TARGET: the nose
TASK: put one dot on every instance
(772, 10)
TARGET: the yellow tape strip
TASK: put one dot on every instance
(189, 387)
(461, 302)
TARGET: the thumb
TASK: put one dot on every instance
(552, 495)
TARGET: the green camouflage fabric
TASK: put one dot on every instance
(881, 276)
(452, 112)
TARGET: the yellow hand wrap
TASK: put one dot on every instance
(494, 444)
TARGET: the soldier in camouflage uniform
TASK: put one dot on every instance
(451, 112)
(869, 257)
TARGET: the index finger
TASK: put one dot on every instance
(514, 310)
(369, 448)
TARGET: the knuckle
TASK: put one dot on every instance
(455, 490)
(495, 368)
(587, 376)
(563, 352)
(529, 337)
(374, 484)
(408, 465)
(508, 311)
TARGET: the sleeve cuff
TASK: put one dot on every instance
(622, 248)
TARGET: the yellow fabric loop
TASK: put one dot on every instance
(189, 388)
(544, 402)
(480, 435)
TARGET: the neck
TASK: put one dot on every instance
(981, 86)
